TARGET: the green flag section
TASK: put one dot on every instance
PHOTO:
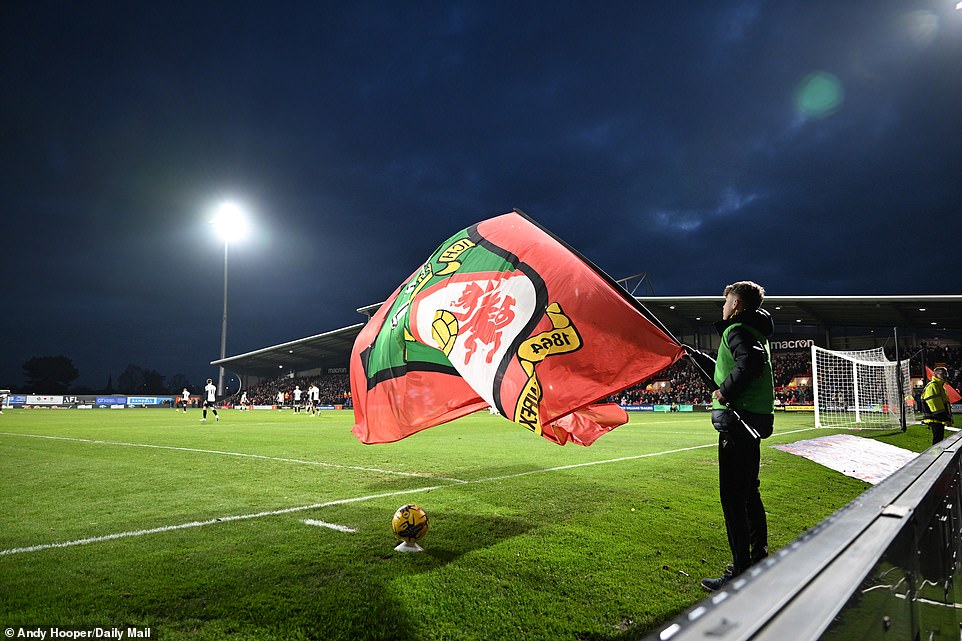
(503, 315)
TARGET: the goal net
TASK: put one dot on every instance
(860, 389)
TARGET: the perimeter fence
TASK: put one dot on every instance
(886, 566)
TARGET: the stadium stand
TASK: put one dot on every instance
(335, 390)
(681, 384)
(929, 326)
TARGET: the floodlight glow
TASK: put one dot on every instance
(229, 222)
(921, 27)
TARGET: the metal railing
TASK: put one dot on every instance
(885, 566)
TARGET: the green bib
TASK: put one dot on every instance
(759, 396)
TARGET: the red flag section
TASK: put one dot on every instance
(503, 315)
(954, 396)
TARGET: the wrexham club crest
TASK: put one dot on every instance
(480, 324)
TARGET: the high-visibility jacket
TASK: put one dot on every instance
(936, 407)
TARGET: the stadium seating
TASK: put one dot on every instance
(335, 390)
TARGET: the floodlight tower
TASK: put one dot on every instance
(230, 223)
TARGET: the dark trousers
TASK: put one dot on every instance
(938, 430)
(738, 461)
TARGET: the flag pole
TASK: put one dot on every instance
(898, 380)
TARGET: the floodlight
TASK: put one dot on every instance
(230, 222)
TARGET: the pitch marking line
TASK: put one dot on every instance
(333, 526)
(223, 519)
(315, 506)
(238, 454)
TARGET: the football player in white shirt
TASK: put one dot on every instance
(185, 401)
(314, 397)
(297, 399)
(210, 400)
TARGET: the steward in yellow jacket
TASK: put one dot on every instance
(936, 408)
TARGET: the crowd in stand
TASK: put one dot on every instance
(679, 384)
(335, 389)
(946, 356)
(682, 384)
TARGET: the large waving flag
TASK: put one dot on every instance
(503, 315)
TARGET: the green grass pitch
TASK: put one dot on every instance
(198, 530)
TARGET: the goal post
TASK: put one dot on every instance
(860, 389)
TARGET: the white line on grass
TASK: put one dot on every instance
(315, 506)
(590, 463)
(238, 454)
(223, 519)
(333, 526)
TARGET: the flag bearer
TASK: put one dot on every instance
(743, 410)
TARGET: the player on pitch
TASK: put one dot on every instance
(210, 400)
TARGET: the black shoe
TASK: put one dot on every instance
(714, 585)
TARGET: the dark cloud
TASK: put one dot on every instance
(807, 145)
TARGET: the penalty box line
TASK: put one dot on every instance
(315, 506)
(237, 454)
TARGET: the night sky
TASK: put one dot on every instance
(812, 146)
